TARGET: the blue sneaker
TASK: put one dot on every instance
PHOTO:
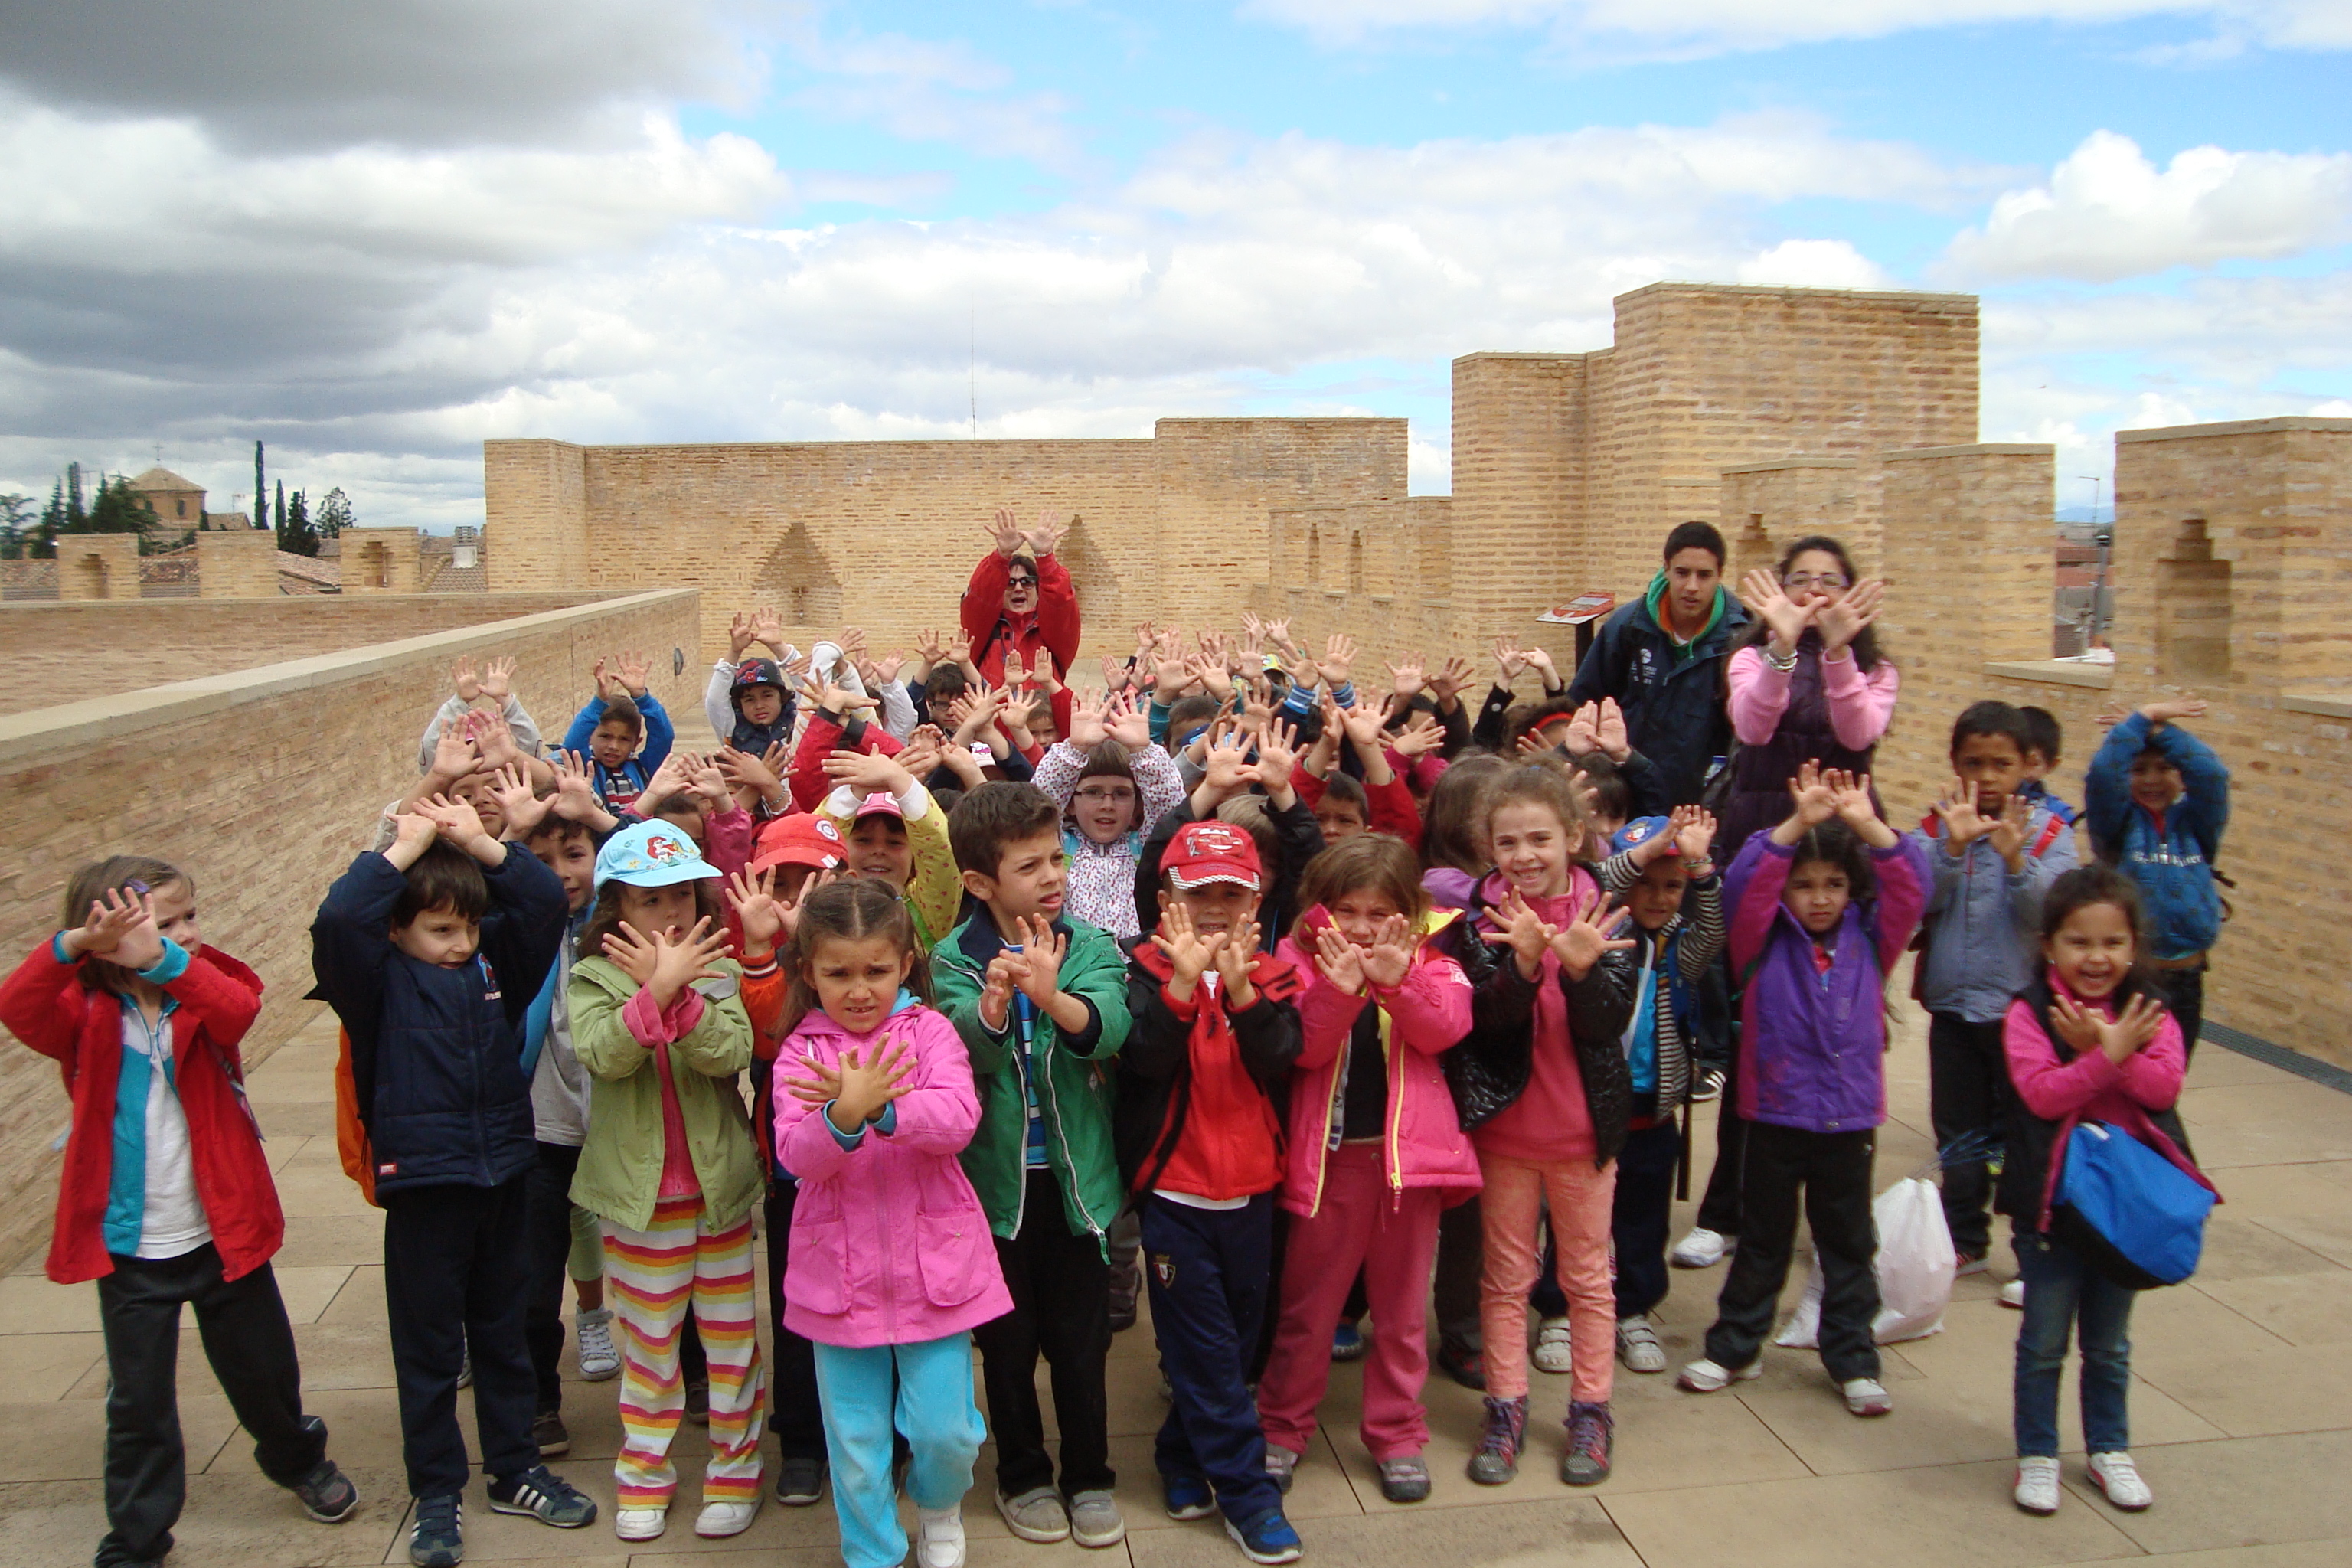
(1188, 1496)
(1347, 1343)
(1268, 1539)
(438, 1539)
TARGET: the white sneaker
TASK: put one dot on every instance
(1865, 1397)
(1703, 1376)
(2037, 1486)
(939, 1537)
(1552, 1352)
(593, 1331)
(1702, 1249)
(2115, 1475)
(1638, 1347)
(2013, 1295)
(723, 1518)
(640, 1523)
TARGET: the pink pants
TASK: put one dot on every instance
(1581, 1199)
(1394, 1236)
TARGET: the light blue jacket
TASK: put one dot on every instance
(1984, 923)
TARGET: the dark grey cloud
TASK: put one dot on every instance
(316, 73)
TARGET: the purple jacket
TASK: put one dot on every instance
(1813, 1043)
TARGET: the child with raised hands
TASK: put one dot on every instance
(166, 1197)
(890, 1269)
(491, 682)
(691, 793)
(2090, 1039)
(1542, 1086)
(1373, 798)
(1665, 875)
(658, 1020)
(430, 953)
(1113, 786)
(749, 701)
(623, 730)
(1490, 730)
(1200, 1145)
(1375, 1148)
(1822, 907)
(1234, 782)
(893, 829)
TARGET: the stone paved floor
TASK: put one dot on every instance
(2241, 1407)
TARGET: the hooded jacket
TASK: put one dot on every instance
(1427, 1015)
(436, 1052)
(1672, 693)
(1073, 1074)
(1051, 628)
(1984, 922)
(1812, 1041)
(2169, 854)
(890, 1243)
(45, 1004)
(1202, 1089)
(615, 1028)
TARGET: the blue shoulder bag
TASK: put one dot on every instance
(2139, 1218)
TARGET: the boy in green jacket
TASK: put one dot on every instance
(1041, 1002)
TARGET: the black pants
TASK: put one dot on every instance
(2183, 991)
(1719, 1208)
(1643, 1214)
(1461, 1258)
(794, 1413)
(1209, 1275)
(547, 1219)
(251, 1348)
(1967, 1091)
(456, 1273)
(1833, 1170)
(1060, 1309)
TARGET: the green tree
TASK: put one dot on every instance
(261, 496)
(117, 508)
(17, 518)
(334, 513)
(75, 511)
(298, 537)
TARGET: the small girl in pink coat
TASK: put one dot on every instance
(891, 1262)
(1375, 1150)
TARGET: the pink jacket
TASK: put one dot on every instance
(889, 1245)
(1424, 1144)
(1860, 706)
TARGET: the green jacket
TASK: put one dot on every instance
(621, 1163)
(1074, 1092)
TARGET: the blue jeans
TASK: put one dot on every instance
(934, 1409)
(2061, 1288)
(1210, 1273)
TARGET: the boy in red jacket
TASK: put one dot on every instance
(165, 1196)
(1199, 1144)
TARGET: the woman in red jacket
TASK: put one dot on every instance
(1021, 601)
(165, 1196)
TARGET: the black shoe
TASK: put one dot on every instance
(1464, 1365)
(439, 1539)
(800, 1482)
(548, 1431)
(1708, 1087)
(541, 1494)
(697, 1403)
(326, 1494)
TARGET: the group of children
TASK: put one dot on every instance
(1227, 975)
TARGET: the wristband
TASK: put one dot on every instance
(1785, 666)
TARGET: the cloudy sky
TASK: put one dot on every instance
(374, 236)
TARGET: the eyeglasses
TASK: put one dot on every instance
(1017, 582)
(1828, 582)
(1108, 795)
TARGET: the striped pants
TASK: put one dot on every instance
(651, 1275)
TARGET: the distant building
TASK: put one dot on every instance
(179, 502)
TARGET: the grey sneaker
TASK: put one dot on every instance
(1035, 1515)
(1405, 1479)
(1095, 1519)
(1498, 1458)
(598, 1358)
(1282, 1465)
(1637, 1345)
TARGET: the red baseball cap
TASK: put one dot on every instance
(1204, 852)
(800, 839)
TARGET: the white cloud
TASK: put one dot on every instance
(2107, 213)
(1814, 264)
(1710, 26)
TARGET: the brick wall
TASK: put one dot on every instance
(262, 785)
(64, 653)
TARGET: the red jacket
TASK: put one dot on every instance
(45, 1004)
(1392, 808)
(1052, 628)
(820, 738)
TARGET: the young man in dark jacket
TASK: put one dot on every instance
(431, 953)
(1663, 657)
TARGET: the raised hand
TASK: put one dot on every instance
(768, 626)
(575, 793)
(1089, 722)
(1539, 660)
(1045, 536)
(744, 770)
(870, 1079)
(112, 918)
(1843, 618)
(1447, 682)
(517, 802)
(1226, 767)
(869, 773)
(1695, 830)
(1527, 933)
(1407, 678)
(708, 781)
(1188, 952)
(1509, 662)
(1851, 797)
(1609, 731)
(1172, 672)
(1390, 957)
(1016, 677)
(2007, 836)
(462, 677)
(1363, 721)
(1761, 591)
(633, 669)
(2165, 712)
(1003, 978)
(493, 738)
(1581, 943)
(1814, 800)
(1114, 673)
(454, 820)
(1963, 823)
(929, 648)
(1423, 736)
(1277, 755)
(1041, 951)
(740, 636)
(1212, 674)
(453, 752)
(497, 680)
(1339, 659)
(1341, 961)
(886, 669)
(1130, 723)
(1233, 960)
(756, 908)
(1004, 532)
(601, 675)
(1583, 737)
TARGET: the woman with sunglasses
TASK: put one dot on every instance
(1021, 602)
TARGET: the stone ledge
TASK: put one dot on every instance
(1793, 463)
(2056, 671)
(2327, 704)
(1981, 449)
(26, 737)
(2237, 428)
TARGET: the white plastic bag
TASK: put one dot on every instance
(1915, 1267)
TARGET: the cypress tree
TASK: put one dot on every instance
(261, 496)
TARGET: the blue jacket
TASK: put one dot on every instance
(2169, 854)
(436, 1054)
(1984, 925)
(1674, 697)
(638, 770)
(1812, 1042)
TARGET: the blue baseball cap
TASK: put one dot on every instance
(1639, 831)
(650, 854)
